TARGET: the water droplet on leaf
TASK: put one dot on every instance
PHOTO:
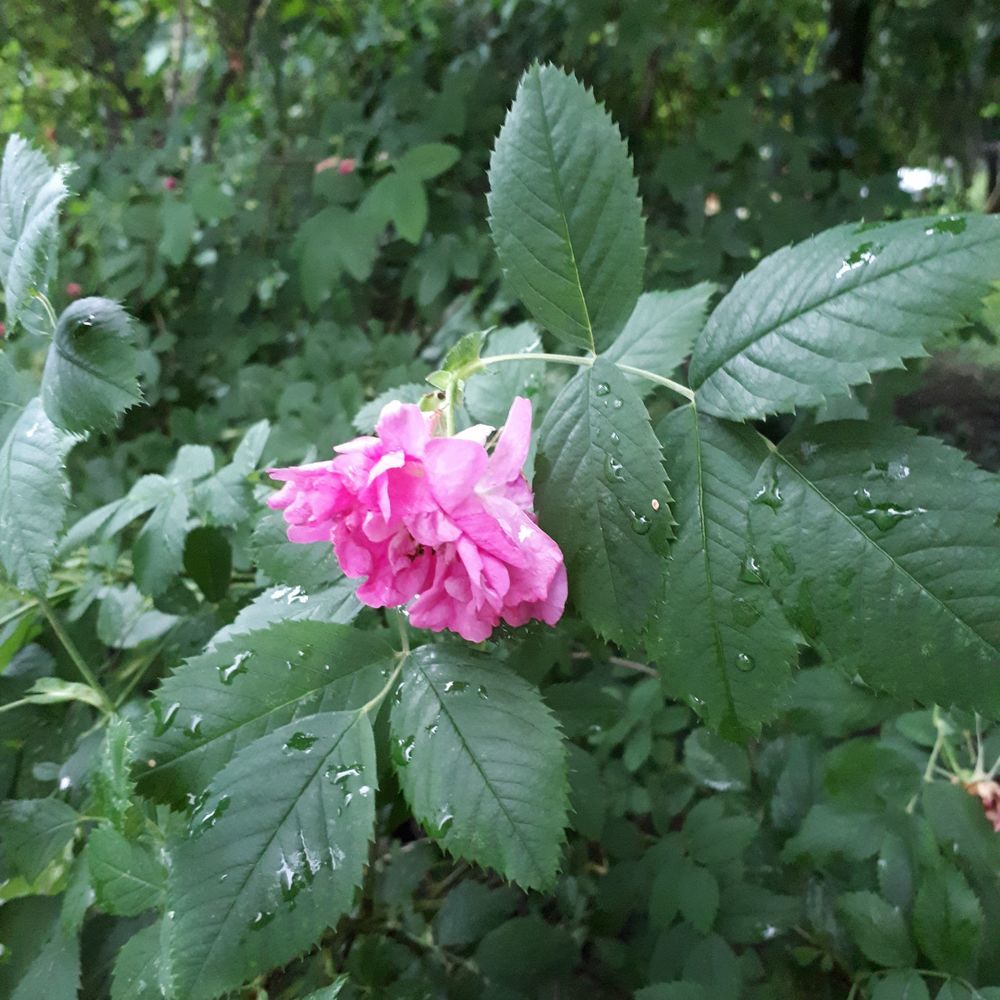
(745, 662)
(228, 673)
(302, 742)
(602, 389)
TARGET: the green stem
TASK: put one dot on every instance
(74, 654)
(30, 606)
(581, 361)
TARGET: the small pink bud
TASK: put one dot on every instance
(73, 290)
(169, 183)
(3, 329)
(347, 166)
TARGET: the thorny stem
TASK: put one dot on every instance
(581, 361)
(402, 656)
(74, 654)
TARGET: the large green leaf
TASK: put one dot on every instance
(216, 704)
(815, 318)
(91, 369)
(564, 209)
(34, 492)
(30, 194)
(274, 854)
(481, 762)
(884, 548)
(602, 496)
(138, 967)
(36, 832)
(721, 641)
(490, 392)
(126, 876)
(158, 552)
(312, 566)
(948, 919)
(659, 333)
(878, 929)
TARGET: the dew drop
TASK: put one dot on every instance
(769, 495)
(614, 471)
(744, 662)
(193, 730)
(953, 225)
(164, 720)
(302, 742)
(615, 437)
(456, 687)
(617, 404)
(750, 570)
(402, 750)
(229, 673)
(483, 693)
(640, 523)
(866, 253)
(602, 389)
(744, 612)
(262, 919)
(783, 556)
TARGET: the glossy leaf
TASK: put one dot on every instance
(949, 920)
(126, 875)
(36, 832)
(878, 929)
(481, 762)
(661, 331)
(33, 495)
(601, 494)
(30, 195)
(91, 368)
(266, 866)
(884, 547)
(564, 210)
(217, 703)
(813, 319)
(720, 639)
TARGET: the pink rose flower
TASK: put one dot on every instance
(439, 521)
(73, 290)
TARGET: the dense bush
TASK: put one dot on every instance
(756, 755)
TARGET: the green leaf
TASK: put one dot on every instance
(472, 910)
(334, 241)
(716, 763)
(208, 560)
(400, 199)
(274, 855)
(602, 495)
(30, 194)
(828, 831)
(813, 319)
(228, 496)
(310, 566)
(673, 991)
(903, 984)
(179, 223)
(127, 620)
(428, 161)
(878, 929)
(16, 389)
(91, 369)
(721, 640)
(217, 703)
(158, 552)
(659, 333)
(697, 896)
(34, 492)
(36, 832)
(336, 605)
(367, 417)
(55, 970)
(481, 762)
(138, 969)
(110, 780)
(127, 877)
(884, 547)
(564, 210)
(490, 391)
(948, 920)
(544, 953)
(53, 691)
